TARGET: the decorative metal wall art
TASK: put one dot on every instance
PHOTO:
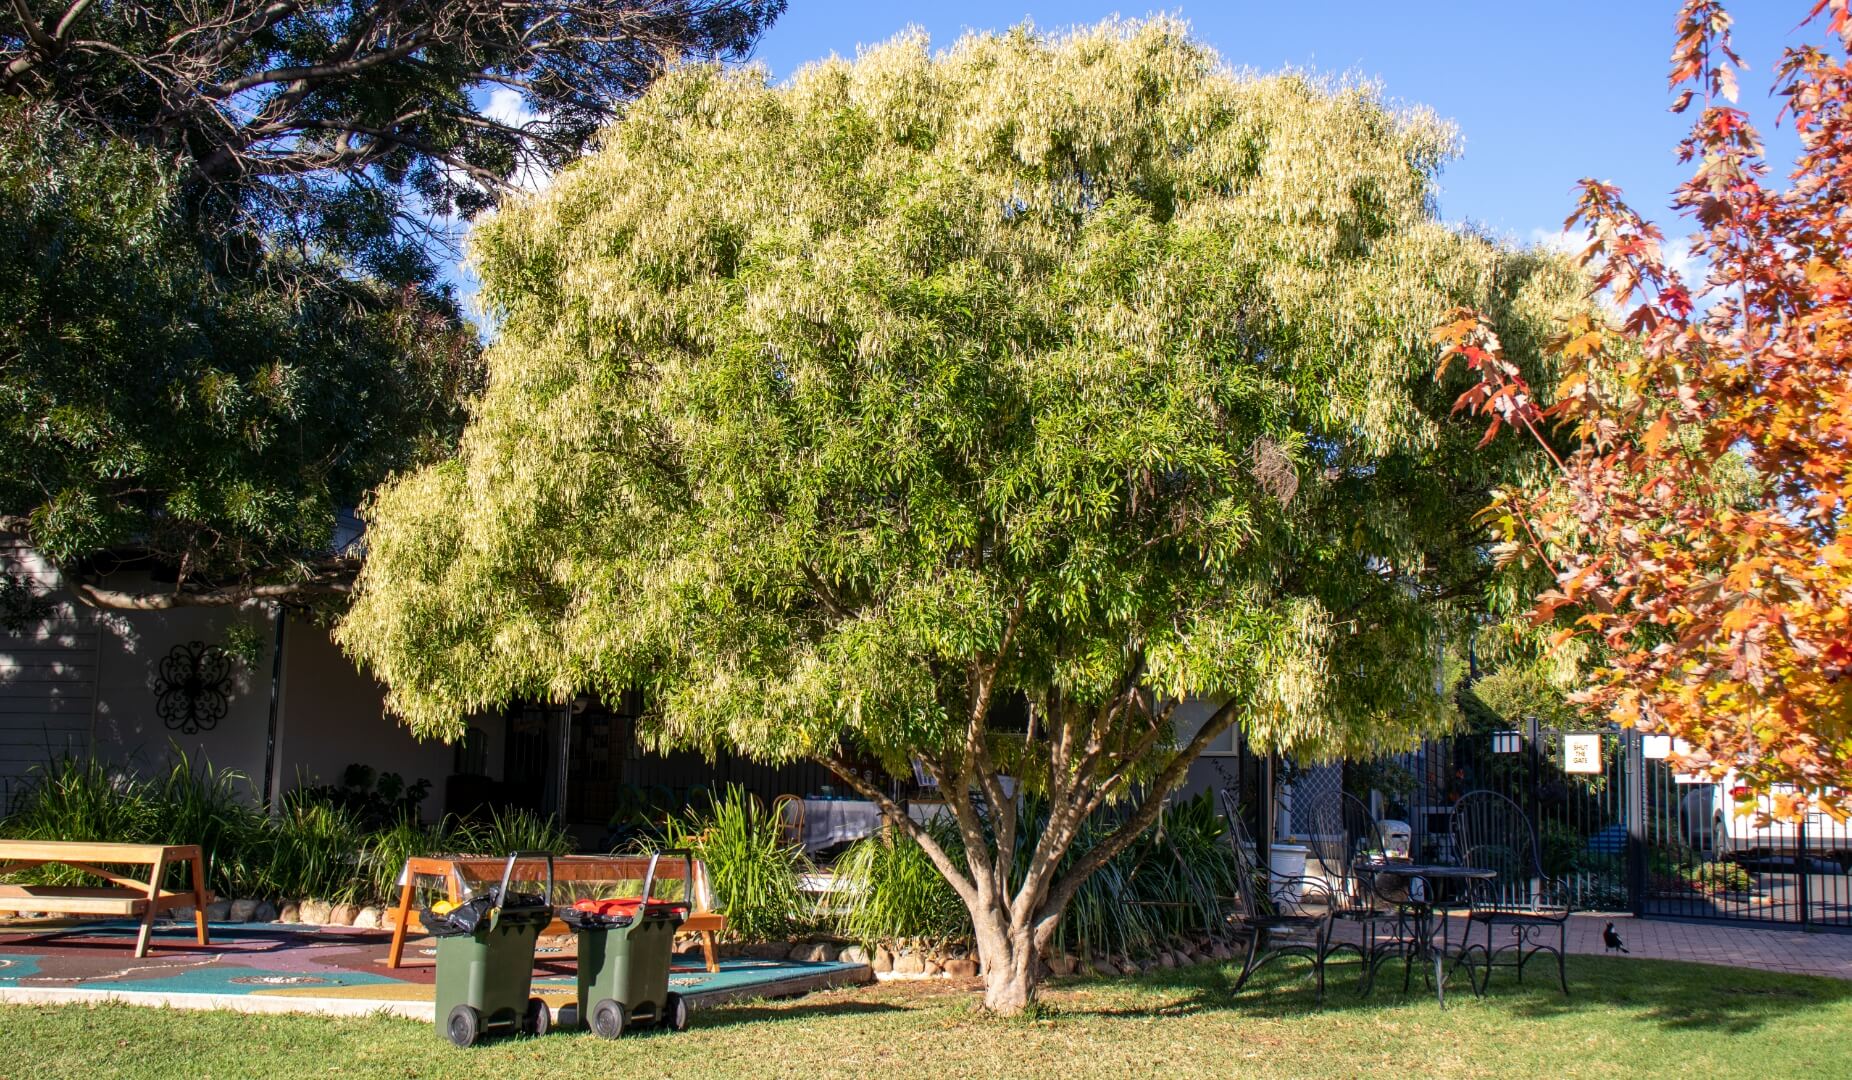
(193, 687)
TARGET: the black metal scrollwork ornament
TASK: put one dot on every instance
(193, 688)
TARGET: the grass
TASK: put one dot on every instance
(1628, 1018)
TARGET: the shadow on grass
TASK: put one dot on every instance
(754, 1012)
(1672, 995)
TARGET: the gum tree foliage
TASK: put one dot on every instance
(152, 397)
(1692, 543)
(225, 316)
(1076, 368)
(341, 122)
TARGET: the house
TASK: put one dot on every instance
(136, 689)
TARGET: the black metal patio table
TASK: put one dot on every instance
(1427, 889)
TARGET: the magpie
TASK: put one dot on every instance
(1612, 939)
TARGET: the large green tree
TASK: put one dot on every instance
(1076, 368)
(223, 308)
(156, 402)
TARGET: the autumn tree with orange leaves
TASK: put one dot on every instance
(1722, 619)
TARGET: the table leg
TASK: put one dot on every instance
(708, 951)
(398, 931)
(1440, 959)
(199, 900)
(154, 902)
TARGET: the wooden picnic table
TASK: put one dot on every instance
(126, 895)
(455, 869)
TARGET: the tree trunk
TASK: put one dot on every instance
(1012, 964)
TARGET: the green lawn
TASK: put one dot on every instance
(1626, 1018)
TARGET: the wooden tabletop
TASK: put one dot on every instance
(96, 851)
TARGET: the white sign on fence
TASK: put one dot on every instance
(1582, 753)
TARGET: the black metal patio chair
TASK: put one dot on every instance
(1342, 830)
(1490, 832)
(1283, 916)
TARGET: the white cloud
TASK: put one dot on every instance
(507, 106)
(1675, 252)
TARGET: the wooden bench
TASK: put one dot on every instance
(126, 895)
(607, 869)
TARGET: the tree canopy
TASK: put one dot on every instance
(1070, 367)
(225, 312)
(344, 123)
(151, 398)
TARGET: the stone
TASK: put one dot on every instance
(1192, 958)
(884, 959)
(964, 968)
(909, 964)
(341, 915)
(1221, 951)
(314, 912)
(265, 911)
(769, 950)
(852, 954)
(218, 911)
(814, 952)
(368, 918)
(1128, 967)
(931, 967)
(243, 911)
(1063, 965)
(1163, 960)
(292, 912)
(1103, 966)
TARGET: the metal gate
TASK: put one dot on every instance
(1621, 829)
(1705, 860)
(1580, 819)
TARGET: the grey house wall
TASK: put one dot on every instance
(47, 673)
(84, 682)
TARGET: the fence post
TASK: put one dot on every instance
(1635, 767)
(1533, 758)
(1805, 867)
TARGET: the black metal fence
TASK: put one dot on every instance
(1621, 829)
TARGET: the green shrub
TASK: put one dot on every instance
(85, 799)
(506, 831)
(895, 892)
(754, 872)
(315, 851)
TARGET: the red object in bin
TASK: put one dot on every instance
(623, 905)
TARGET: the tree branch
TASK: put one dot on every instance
(900, 819)
(224, 596)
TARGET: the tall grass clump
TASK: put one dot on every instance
(315, 852)
(75, 798)
(754, 871)
(896, 893)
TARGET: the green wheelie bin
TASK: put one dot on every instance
(624, 951)
(485, 960)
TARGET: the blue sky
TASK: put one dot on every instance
(1544, 93)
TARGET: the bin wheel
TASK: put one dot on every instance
(675, 1013)
(609, 1019)
(464, 1025)
(538, 1018)
(568, 1015)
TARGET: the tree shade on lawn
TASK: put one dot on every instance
(1634, 1018)
(1071, 370)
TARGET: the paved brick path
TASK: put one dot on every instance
(1719, 943)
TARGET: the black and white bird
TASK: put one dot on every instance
(1612, 940)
